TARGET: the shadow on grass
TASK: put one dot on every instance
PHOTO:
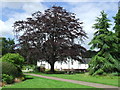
(57, 72)
(27, 78)
(61, 72)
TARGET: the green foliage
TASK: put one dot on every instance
(117, 23)
(117, 33)
(7, 45)
(14, 58)
(24, 67)
(10, 69)
(0, 47)
(7, 78)
(105, 41)
(101, 26)
(103, 63)
(115, 74)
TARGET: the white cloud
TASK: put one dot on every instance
(6, 28)
(3, 29)
(13, 5)
(87, 12)
(33, 7)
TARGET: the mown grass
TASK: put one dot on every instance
(108, 80)
(37, 82)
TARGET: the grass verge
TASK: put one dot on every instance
(107, 80)
(37, 82)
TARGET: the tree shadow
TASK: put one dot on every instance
(55, 72)
(28, 78)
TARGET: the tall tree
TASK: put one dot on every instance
(30, 55)
(117, 33)
(52, 35)
(0, 47)
(7, 45)
(104, 40)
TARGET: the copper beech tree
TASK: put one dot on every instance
(54, 35)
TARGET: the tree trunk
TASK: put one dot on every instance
(52, 67)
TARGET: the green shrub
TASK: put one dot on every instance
(7, 78)
(115, 74)
(14, 58)
(28, 67)
(10, 69)
(36, 69)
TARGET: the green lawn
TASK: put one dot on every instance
(37, 82)
(108, 80)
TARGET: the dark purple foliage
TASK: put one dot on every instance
(50, 36)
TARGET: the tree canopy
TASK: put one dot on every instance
(104, 40)
(54, 35)
(14, 58)
(7, 45)
(117, 33)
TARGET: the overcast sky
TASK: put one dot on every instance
(85, 10)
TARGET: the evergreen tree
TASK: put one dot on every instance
(7, 45)
(104, 40)
(117, 33)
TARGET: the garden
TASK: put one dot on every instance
(11, 68)
(50, 37)
(13, 77)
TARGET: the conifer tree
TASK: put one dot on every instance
(104, 41)
(117, 33)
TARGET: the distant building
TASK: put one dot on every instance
(70, 63)
(63, 65)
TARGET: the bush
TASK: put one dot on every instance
(14, 58)
(28, 67)
(10, 69)
(36, 69)
(115, 74)
(7, 78)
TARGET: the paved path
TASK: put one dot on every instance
(108, 87)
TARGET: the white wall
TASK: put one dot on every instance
(76, 65)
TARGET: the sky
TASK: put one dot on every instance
(85, 10)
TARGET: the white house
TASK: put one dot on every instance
(72, 65)
(63, 65)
